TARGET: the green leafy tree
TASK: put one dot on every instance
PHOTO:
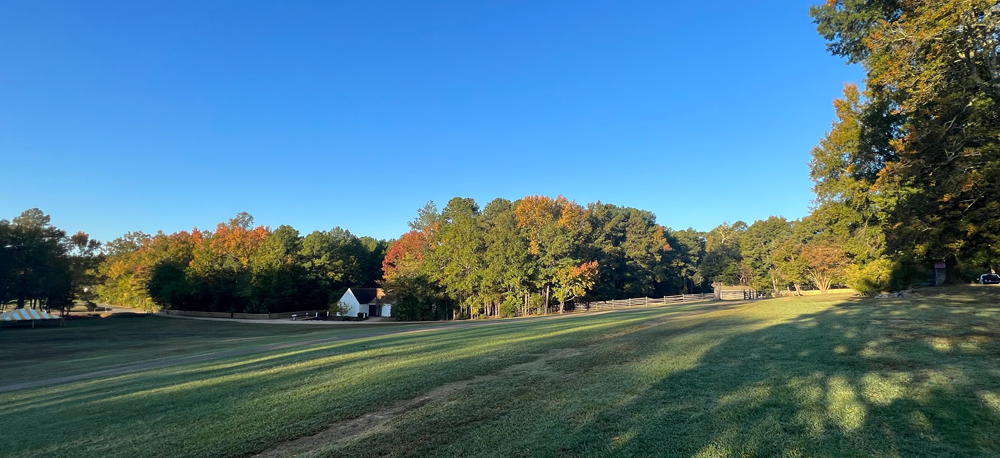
(629, 248)
(168, 286)
(683, 262)
(760, 245)
(39, 266)
(934, 76)
(458, 254)
(506, 271)
(721, 262)
(85, 256)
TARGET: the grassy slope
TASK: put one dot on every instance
(818, 376)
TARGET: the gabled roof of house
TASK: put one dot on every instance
(366, 295)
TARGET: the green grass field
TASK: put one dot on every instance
(817, 376)
(90, 345)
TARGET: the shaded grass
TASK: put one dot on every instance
(817, 376)
(93, 344)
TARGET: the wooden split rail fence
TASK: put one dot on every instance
(643, 302)
(731, 295)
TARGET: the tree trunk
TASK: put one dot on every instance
(562, 306)
(798, 291)
(545, 301)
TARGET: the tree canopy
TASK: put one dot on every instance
(239, 267)
(914, 160)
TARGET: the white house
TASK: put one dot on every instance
(370, 301)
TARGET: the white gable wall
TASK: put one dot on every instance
(349, 299)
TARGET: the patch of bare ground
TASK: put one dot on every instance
(369, 423)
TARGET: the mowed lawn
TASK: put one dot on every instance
(817, 376)
(92, 344)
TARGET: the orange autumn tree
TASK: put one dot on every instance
(405, 255)
(574, 281)
(131, 260)
(238, 241)
(224, 261)
(825, 263)
(555, 229)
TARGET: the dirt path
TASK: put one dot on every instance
(161, 363)
(347, 430)
(350, 429)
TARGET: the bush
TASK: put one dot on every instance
(870, 279)
(509, 308)
(339, 308)
(885, 275)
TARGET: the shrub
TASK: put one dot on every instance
(870, 279)
(509, 308)
(339, 308)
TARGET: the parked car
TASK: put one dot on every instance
(989, 279)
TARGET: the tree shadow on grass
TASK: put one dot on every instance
(291, 389)
(867, 378)
(862, 378)
(403, 343)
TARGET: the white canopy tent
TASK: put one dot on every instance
(24, 315)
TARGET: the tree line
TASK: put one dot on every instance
(535, 255)
(238, 267)
(42, 267)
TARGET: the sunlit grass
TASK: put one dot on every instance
(816, 376)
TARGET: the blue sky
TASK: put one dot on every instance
(118, 116)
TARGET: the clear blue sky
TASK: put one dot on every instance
(118, 116)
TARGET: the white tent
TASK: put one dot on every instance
(21, 315)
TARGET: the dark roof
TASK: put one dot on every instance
(365, 295)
